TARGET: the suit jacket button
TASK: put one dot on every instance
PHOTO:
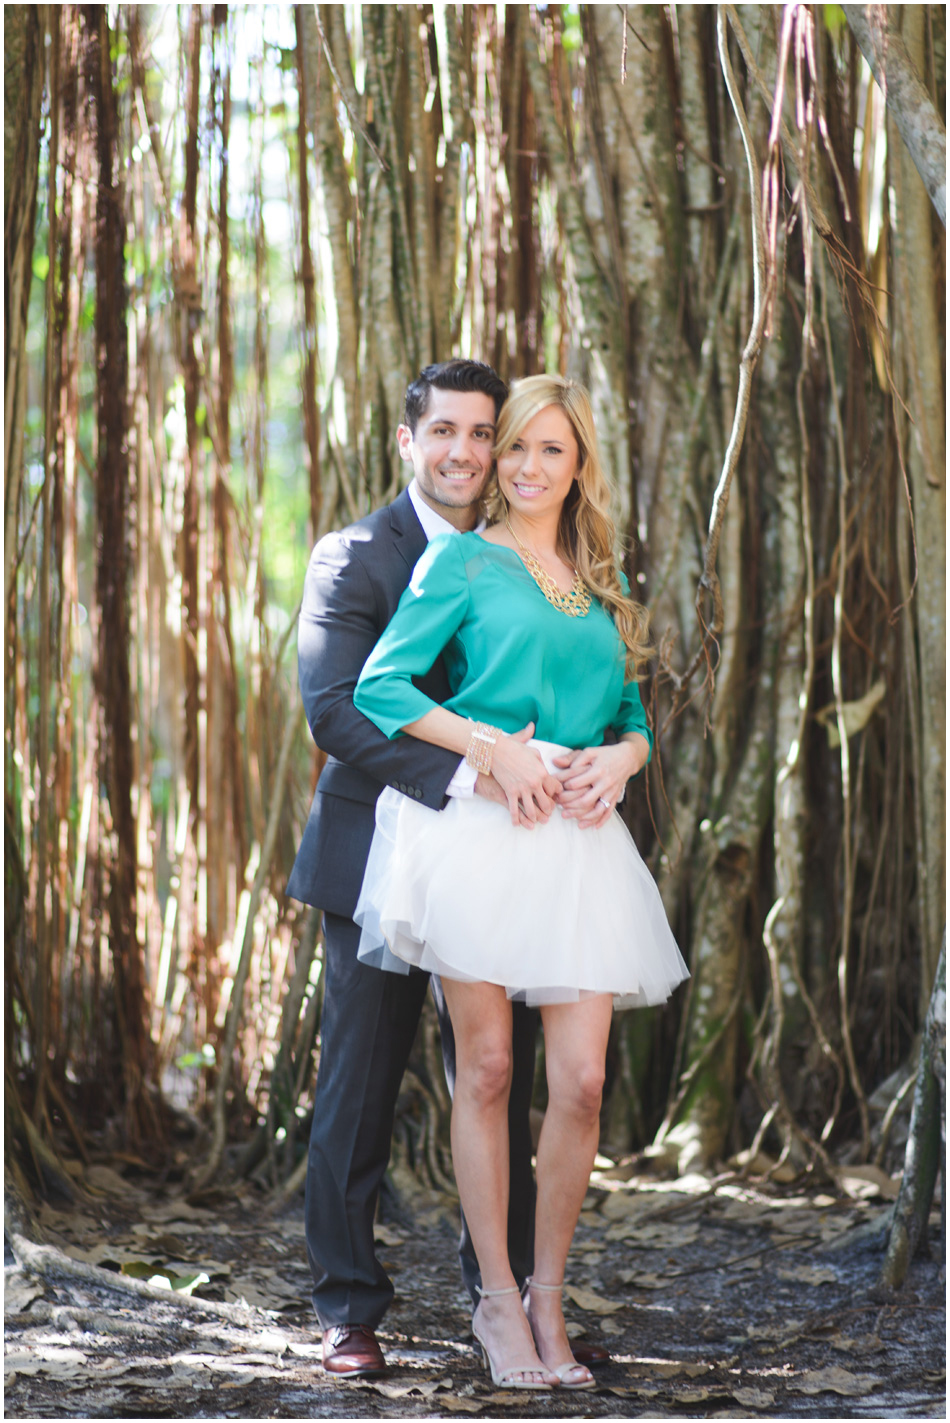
(417, 793)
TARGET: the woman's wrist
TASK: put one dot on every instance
(638, 749)
(481, 746)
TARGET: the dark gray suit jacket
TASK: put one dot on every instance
(354, 582)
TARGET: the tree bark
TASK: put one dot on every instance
(311, 413)
(926, 1146)
(897, 71)
(23, 66)
(116, 757)
(918, 273)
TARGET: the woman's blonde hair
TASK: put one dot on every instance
(586, 533)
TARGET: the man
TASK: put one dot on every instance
(354, 582)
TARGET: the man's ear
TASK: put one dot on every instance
(404, 441)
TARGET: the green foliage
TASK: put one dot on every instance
(203, 1058)
(834, 19)
(571, 36)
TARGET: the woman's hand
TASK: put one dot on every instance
(529, 786)
(593, 779)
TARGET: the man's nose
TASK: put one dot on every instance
(463, 448)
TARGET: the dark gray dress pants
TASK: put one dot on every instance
(367, 1030)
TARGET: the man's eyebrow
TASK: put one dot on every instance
(447, 420)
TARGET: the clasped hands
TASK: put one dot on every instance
(585, 786)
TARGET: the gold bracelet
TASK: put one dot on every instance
(481, 747)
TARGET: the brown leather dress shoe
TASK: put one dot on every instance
(592, 1356)
(351, 1351)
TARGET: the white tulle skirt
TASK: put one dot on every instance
(552, 914)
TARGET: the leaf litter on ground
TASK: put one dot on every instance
(710, 1296)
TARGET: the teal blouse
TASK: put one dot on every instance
(511, 656)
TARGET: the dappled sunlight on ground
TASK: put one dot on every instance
(726, 1299)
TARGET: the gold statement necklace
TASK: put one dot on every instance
(575, 602)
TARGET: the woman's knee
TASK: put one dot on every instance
(579, 1089)
(486, 1070)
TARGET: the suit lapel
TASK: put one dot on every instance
(408, 534)
(410, 541)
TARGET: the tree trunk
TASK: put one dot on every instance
(926, 1144)
(23, 92)
(116, 758)
(311, 413)
(918, 272)
(897, 67)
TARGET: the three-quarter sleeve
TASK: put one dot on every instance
(430, 612)
(631, 716)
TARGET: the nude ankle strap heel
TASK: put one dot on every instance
(565, 1370)
(513, 1377)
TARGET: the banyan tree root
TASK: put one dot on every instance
(46, 1262)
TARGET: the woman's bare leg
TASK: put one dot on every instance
(575, 1050)
(481, 1020)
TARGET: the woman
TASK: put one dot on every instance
(535, 627)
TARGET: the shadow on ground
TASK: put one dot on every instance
(724, 1300)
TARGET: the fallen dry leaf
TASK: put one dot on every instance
(862, 1183)
(785, 1330)
(625, 1205)
(455, 1403)
(756, 1398)
(48, 1361)
(306, 1351)
(591, 1302)
(115, 1254)
(642, 1280)
(384, 1236)
(104, 1180)
(833, 1379)
(740, 1267)
(658, 1235)
(762, 1164)
(178, 1211)
(808, 1275)
(863, 1344)
(424, 1388)
(672, 1368)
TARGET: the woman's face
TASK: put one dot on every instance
(536, 474)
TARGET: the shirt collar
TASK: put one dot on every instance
(433, 523)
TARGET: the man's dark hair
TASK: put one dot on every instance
(453, 375)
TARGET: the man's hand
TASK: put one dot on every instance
(488, 787)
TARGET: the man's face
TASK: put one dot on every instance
(450, 452)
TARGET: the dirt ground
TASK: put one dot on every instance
(718, 1300)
